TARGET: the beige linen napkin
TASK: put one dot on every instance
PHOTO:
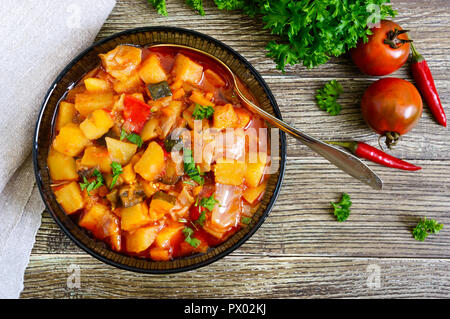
(38, 38)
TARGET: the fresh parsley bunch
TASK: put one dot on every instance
(310, 31)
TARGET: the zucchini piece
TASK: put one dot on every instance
(160, 195)
(159, 90)
(113, 198)
(131, 195)
(170, 143)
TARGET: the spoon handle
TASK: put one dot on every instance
(343, 160)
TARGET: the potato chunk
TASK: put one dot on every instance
(97, 124)
(252, 194)
(159, 254)
(185, 69)
(141, 239)
(151, 70)
(229, 172)
(70, 140)
(61, 166)
(199, 98)
(255, 171)
(121, 61)
(66, 112)
(94, 85)
(128, 85)
(161, 204)
(69, 197)
(97, 157)
(167, 234)
(86, 103)
(151, 164)
(100, 221)
(225, 116)
(134, 217)
(151, 129)
(120, 152)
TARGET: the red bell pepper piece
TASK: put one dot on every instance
(136, 113)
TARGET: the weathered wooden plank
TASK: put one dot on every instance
(240, 276)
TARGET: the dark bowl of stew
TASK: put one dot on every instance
(122, 185)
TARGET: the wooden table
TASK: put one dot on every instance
(300, 250)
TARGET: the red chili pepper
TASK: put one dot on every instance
(422, 74)
(135, 113)
(373, 154)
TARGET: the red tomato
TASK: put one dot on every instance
(385, 52)
(391, 107)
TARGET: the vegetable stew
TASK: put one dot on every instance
(154, 154)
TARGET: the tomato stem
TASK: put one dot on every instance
(392, 138)
(392, 38)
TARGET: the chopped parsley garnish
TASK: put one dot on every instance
(202, 112)
(342, 209)
(189, 183)
(116, 170)
(208, 202)
(327, 96)
(123, 134)
(426, 227)
(189, 167)
(132, 137)
(246, 220)
(201, 219)
(188, 232)
(90, 186)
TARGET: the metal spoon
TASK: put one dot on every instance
(343, 160)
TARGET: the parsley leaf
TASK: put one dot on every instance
(160, 6)
(208, 202)
(189, 167)
(342, 209)
(188, 232)
(201, 219)
(90, 186)
(197, 5)
(116, 170)
(202, 112)
(246, 220)
(132, 137)
(326, 97)
(123, 134)
(426, 227)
